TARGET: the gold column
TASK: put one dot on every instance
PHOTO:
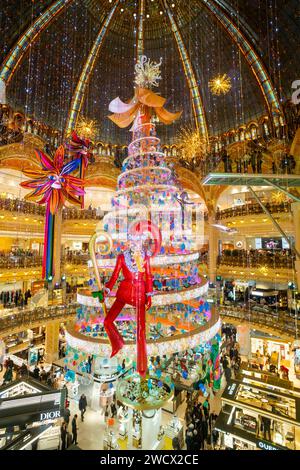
(296, 220)
(52, 342)
(213, 249)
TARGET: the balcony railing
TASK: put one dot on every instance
(281, 321)
(8, 261)
(252, 209)
(19, 261)
(25, 207)
(257, 259)
(27, 317)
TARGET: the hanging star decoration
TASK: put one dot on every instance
(192, 144)
(86, 128)
(278, 197)
(52, 184)
(145, 102)
(220, 85)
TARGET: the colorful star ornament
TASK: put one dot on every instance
(53, 185)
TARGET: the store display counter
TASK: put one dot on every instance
(259, 416)
(265, 376)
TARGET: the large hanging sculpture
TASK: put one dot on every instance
(53, 185)
(135, 289)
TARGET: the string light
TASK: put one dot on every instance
(220, 85)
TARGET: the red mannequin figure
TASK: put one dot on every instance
(135, 289)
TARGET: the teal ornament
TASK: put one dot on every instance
(158, 373)
(149, 383)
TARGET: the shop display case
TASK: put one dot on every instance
(259, 415)
(110, 441)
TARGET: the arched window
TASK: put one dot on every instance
(253, 130)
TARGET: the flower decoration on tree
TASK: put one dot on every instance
(53, 184)
(147, 73)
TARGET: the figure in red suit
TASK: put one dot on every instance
(135, 289)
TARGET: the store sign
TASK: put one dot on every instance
(231, 389)
(50, 415)
(265, 446)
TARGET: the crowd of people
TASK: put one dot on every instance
(14, 298)
(230, 356)
(252, 162)
(200, 425)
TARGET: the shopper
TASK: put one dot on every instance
(67, 415)
(36, 373)
(89, 364)
(266, 427)
(189, 440)
(204, 427)
(113, 409)
(8, 374)
(43, 374)
(227, 373)
(82, 405)
(23, 370)
(74, 430)
(206, 408)
(175, 443)
(63, 435)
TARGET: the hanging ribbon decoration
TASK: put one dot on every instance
(144, 102)
(79, 147)
(53, 185)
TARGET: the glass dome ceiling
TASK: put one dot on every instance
(187, 35)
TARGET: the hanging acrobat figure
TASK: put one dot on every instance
(183, 199)
(135, 289)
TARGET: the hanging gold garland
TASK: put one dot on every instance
(192, 144)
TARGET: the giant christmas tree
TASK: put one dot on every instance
(180, 320)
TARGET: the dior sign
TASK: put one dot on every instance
(50, 415)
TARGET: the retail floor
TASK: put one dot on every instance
(91, 431)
